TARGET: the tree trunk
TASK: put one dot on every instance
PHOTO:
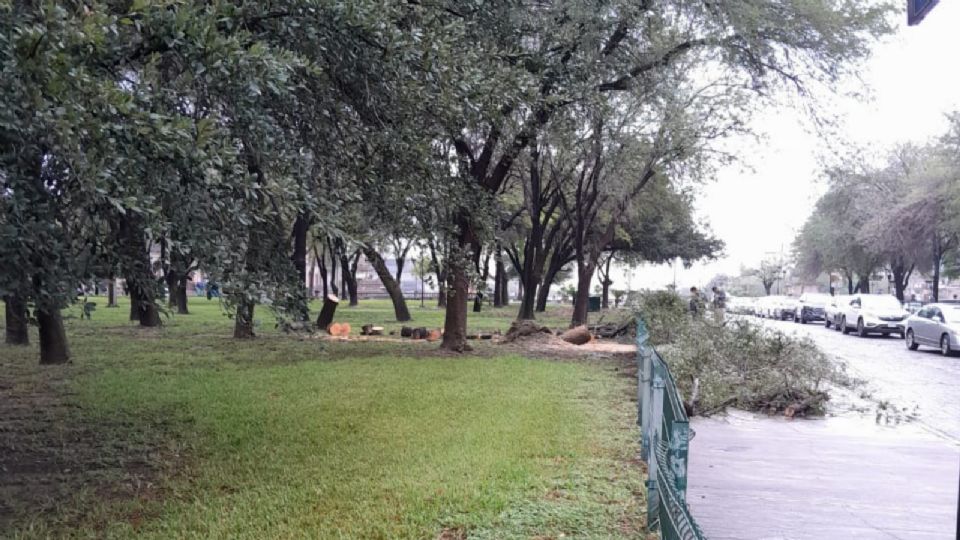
(149, 315)
(393, 288)
(112, 293)
(543, 295)
(584, 277)
(605, 283)
(442, 289)
(498, 279)
(53, 337)
(455, 318)
(171, 279)
(181, 296)
(505, 290)
(299, 257)
(863, 285)
(134, 302)
(325, 318)
(458, 286)
(350, 275)
(937, 262)
(482, 286)
(767, 287)
(243, 324)
(15, 312)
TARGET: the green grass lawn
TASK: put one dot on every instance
(287, 437)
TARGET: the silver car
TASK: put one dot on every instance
(935, 325)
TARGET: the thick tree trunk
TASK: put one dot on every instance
(134, 302)
(112, 293)
(393, 288)
(458, 286)
(767, 287)
(15, 312)
(149, 314)
(53, 338)
(243, 323)
(455, 318)
(584, 278)
(863, 285)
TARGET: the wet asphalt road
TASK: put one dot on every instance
(925, 382)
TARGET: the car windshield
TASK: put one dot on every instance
(816, 298)
(951, 314)
(880, 302)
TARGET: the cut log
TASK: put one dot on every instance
(473, 336)
(577, 335)
(339, 329)
(419, 333)
(365, 329)
(486, 336)
(406, 331)
(376, 331)
(326, 312)
(434, 335)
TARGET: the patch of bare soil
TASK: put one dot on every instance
(50, 454)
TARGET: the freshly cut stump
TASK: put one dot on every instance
(577, 335)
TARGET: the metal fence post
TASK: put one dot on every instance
(656, 421)
(645, 379)
(677, 456)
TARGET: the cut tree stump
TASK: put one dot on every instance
(326, 312)
(339, 329)
(406, 331)
(371, 330)
(577, 335)
(434, 335)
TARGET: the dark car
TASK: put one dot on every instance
(810, 307)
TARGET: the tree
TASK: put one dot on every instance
(769, 272)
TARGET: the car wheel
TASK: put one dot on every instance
(843, 326)
(911, 341)
(826, 322)
(945, 345)
(861, 330)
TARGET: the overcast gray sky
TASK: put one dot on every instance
(757, 207)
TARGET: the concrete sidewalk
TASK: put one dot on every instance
(752, 477)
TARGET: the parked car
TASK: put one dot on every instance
(833, 310)
(935, 325)
(770, 307)
(786, 308)
(810, 307)
(873, 314)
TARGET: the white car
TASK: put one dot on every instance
(873, 314)
(810, 307)
(935, 325)
(832, 311)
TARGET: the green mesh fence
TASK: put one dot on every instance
(665, 443)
